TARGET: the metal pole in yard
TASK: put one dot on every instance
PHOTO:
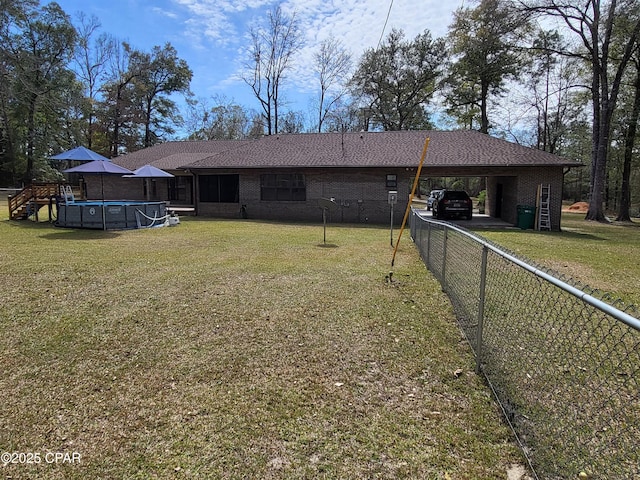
(413, 191)
(418, 234)
(483, 283)
(324, 226)
(392, 200)
(428, 242)
(392, 224)
(443, 281)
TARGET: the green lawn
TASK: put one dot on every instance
(603, 256)
(236, 349)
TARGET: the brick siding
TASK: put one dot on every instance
(521, 188)
(361, 197)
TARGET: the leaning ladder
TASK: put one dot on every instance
(544, 215)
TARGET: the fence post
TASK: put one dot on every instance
(417, 231)
(428, 242)
(481, 298)
(443, 281)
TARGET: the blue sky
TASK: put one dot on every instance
(211, 35)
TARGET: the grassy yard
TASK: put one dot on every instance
(603, 256)
(235, 349)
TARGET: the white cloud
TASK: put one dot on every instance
(164, 13)
(220, 21)
(360, 24)
(220, 28)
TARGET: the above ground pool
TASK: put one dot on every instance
(112, 214)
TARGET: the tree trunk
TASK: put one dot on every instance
(31, 138)
(320, 113)
(267, 117)
(624, 214)
(90, 128)
(484, 117)
(115, 138)
(596, 203)
(7, 144)
(116, 120)
(147, 124)
(625, 193)
(598, 148)
(275, 106)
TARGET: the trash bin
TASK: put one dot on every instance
(526, 216)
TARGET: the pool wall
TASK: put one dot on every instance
(117, 215)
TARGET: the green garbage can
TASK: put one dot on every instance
(526, 216)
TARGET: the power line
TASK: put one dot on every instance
(385, 25)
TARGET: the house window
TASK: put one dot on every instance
(283, 187)
(219, 188)
(392, 181)
(178, 188)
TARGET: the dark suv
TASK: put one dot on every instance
(453, 203)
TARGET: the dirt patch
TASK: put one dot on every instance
(517, 472)
(578, 207)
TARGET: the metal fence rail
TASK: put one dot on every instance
(563, 364)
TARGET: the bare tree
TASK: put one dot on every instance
(332, 64)
(118, 109)
(92, 56)
(224, 120)
(552, 83)
(630, 142)
(292, 122)
(596, 24)
(271, 55)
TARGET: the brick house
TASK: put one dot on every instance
(283, 177)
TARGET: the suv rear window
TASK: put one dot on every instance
(455, 195)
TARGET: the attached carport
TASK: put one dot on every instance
(510, 187)
(513, 173)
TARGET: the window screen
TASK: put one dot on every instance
(219, 188)
(283, 187)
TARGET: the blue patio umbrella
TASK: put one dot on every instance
(100, 167)
(147, 172)
(81, 154)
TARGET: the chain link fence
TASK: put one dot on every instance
(564, 364)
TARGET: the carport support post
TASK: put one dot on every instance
(481, 298)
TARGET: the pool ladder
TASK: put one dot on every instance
(66, 193)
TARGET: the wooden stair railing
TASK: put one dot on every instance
(28, 200)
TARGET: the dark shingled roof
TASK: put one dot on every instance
(463, 148)
(175, 155)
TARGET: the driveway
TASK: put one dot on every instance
(478, 221)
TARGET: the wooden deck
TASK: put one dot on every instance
(28, 201)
